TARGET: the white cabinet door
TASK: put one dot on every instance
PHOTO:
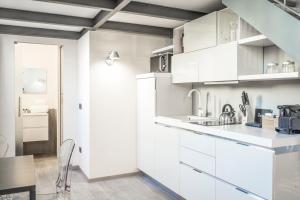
(35, 121)
(206, 61)
(200, 33)
(226, 62)
(195, 185)
(35, 134)
(145, 125)
(225, 191)
(167, 158)
(185, 68)
(197, 142)
(248, 167)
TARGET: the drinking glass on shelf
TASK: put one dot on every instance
(272, 68)
(288, 66)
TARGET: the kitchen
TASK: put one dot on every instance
(239, 141)
(155, 99)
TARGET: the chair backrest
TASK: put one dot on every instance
(64, 159)
(3, 146)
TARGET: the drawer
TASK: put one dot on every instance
(195, 185)
(246, 166)
(197, 142)
(225, 191)
(35, 134)
(35, 121)
(197, 160)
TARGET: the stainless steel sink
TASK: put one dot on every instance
(193, 118)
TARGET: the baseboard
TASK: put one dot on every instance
(170, 193)
(76, 167)
(91, 180)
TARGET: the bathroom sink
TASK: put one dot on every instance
(39, 108)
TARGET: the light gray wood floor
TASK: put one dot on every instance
(127, 188)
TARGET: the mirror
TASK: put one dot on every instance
(34, 80)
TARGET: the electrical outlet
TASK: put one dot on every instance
(80, 149)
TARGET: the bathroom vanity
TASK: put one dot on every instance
(35, 127)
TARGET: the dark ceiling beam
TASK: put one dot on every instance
(29, 16)
(161, 11)
(102, 4)
(104, 16)
(135, 7)
(38, 32)
(136, 28)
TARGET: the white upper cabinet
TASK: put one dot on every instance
(218, 63)
(212, 53)
(206, 63)
(226, 62)
(185, 68)
(200, 33)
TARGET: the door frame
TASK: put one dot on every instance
(18, 100)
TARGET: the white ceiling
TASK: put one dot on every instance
(39, 25)
(53, 8)
(196, 5)
(146, 20)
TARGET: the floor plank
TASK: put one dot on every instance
(125, 188)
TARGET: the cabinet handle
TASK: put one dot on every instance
(198, 133)
(243, 144)
(241, 190)
(197, 170)
(249, 194)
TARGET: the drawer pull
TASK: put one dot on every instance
(197, 170)
(247, 193)
(243, 144)
(241, 190)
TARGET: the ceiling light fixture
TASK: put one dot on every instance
(113, 55)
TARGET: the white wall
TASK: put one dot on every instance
(7, 98)
(112, 103)
(84, 99)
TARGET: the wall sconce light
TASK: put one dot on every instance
(113, 55)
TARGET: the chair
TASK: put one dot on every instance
(63, 182)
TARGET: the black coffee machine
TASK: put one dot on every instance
(289, 119)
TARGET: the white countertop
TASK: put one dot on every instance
(34, 114)
(242, 133)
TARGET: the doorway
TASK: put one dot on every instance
(38, 98)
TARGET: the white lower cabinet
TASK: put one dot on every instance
(198, 160)
(246, 166)
(196, 185)
(225, 191)
(166, 157)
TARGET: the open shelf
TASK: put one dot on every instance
(163, 50)
(263, 77)
(258, 40)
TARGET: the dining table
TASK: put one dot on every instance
(17, 174)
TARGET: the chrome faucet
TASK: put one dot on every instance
(199, 109)
(206, 104)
